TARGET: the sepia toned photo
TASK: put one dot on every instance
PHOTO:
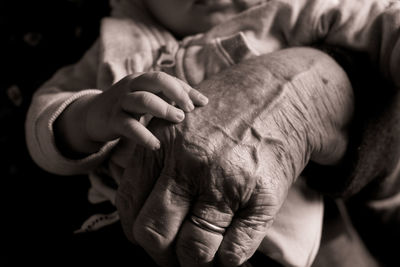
(201, 132)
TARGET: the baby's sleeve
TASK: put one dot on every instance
(67, 85)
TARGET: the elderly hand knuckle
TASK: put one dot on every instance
(194, 251)
(235, 255)
(148, 236)
(232, 259)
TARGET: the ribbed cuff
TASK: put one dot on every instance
(53, 160)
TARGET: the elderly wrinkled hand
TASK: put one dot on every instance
(213, 189)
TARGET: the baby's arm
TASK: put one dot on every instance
(93, 120)
(68, 84)
(70, 129)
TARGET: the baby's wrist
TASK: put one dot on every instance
(71, 134)
(88, 119)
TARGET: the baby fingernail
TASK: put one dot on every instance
(203, 99)
(156, 145)
(189, 106)
(180, 115)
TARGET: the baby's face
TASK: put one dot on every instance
(184, 17)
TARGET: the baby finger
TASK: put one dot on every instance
(134, 130)
(169, 86)
(197, 98)
(142, 102)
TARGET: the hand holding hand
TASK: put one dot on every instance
(213, 190)
(117, 111)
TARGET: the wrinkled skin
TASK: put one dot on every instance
(232, 162)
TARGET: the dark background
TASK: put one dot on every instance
(41, 210)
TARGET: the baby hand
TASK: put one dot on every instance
(117, 111)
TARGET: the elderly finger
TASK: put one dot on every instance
(122, 152)
(160, 220)
(248, 228)
(136, 186)
(201, 234)
(241, 241)
(142, 102)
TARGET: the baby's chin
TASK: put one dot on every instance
(201, 23)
